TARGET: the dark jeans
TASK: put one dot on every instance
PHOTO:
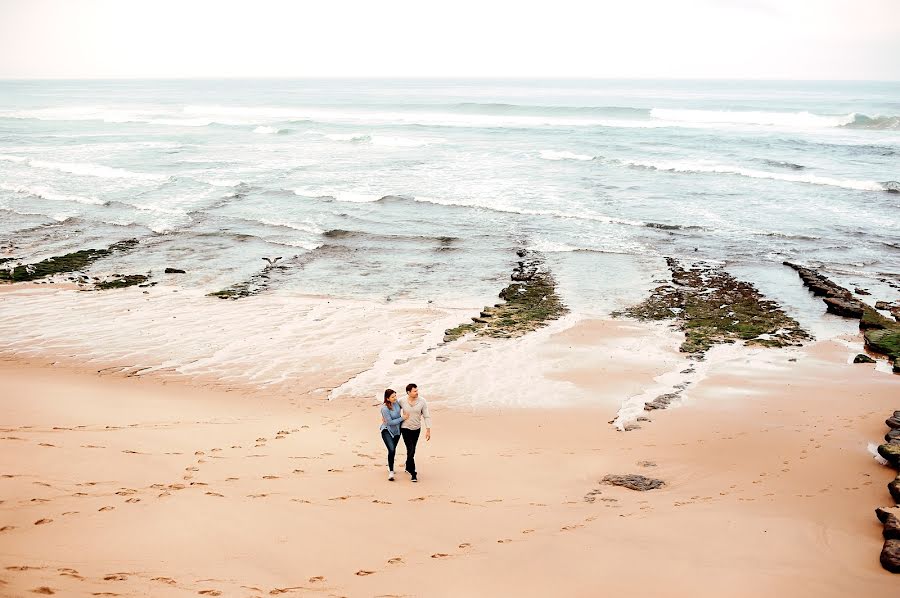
(391, 443)
(410, 439)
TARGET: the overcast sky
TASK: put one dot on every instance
(777, 39)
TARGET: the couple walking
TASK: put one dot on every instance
(404, 417)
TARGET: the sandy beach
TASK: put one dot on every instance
(115, 484)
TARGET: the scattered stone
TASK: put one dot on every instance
(893, 435)
(174, 271)
(120, 282)
(894, 489)
(882, 305)
(860, 291)
(861, 358)
(646, 464)
(661, 402)
(712, 307)
(531, 302)
(633, 482)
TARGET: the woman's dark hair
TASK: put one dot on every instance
(387, 394)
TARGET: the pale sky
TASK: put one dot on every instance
(759, 39)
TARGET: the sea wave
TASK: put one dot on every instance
(304, 227)
(84, 169)
(557, 155)
(705, 167)
(51, 195)
(342, 196)
(266, 130)
(886, 123)
(384, 140)
(802, 119)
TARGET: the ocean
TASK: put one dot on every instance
(422, 190)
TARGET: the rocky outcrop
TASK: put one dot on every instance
(633, 482)
(713, 307)
(881, 334)
(174, 271)
(530, 302)
(121, 281)
(70, 262)
(862, 358)
(890, 516)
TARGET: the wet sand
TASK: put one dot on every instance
(144, 485)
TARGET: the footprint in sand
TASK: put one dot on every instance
(527, 531)
(198, 453)
(231, 479)
(43, 521)
(317, 579)
(568, 528)
(7, 528)
(257, 495)
(126, 492)
(43, 590)
(133, 500)
(215, 450)
(91, 446)
(46, 444)
(210, 593)
(192, 469)
(298, 471)
(106, 508)
(362, 572)
(167, 580)
(116, 577)
(215, 494)
(22, 568)
(306, 502)
(261, 439)
(381, 502)
(439, 555)
(270, 477)
(395, 561)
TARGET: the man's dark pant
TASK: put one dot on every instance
(410, 439)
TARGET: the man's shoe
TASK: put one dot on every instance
(391, 476)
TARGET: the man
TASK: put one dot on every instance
(417, 409)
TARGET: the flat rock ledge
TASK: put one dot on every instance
(76, 261)
(530, 302)
(882, 334)
(890, 516)
(633, 482)
(712, 307)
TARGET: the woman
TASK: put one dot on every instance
(390, 427)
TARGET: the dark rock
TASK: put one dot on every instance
(891, 529)
(872, 320)
(860, 291)
(70, 262)
(891, 454)
(633, 482)
(884, 341)
(660, 402)
(893, 422)
(863, 359)
(894, 489)
(893, 435)
(884, 512)
(848, 308)
(891, 186)
(890, 556)
(121, 282)
(883, 305)
(174, 271)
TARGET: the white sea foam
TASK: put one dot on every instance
(51, 195)
(804, 120)
(344, 196)
(85, 169)
(706, 166)
(347, 137)
(307, 227)
(266, 130)
(555, 155)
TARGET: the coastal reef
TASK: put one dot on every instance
(712, 307)
(890, 516)
(530, 302)
(882, 334)
(70, 262)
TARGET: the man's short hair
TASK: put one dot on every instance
(410, 386)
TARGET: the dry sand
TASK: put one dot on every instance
(115, 486)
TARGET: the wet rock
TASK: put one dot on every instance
(860, 291)
(893, 435)
(70, 262)
(893, 422)
(633, 482)
(848, 308)
(661, 402)
(861, 358)
(174, 271)
(885, 342)
(120, 282)
(894, 489)
(891, 453)
(890, 556)
(882, 305)
(883, 512)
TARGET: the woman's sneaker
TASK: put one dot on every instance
(414, 478)
(391, 476)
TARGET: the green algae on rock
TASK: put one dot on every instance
(530, 302)
(121, 282)
(70, 262)
(712, 307)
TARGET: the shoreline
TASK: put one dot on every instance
(768, 483)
